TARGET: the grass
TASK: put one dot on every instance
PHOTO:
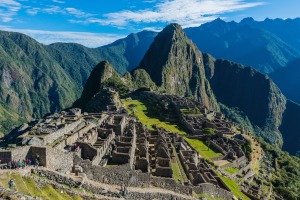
(176, 172)
(111, 165)
(232, 170)
(140, 111)
(203, 149)
(29, 187)
(208, 197)
(181, 170)
(234, 187)
(191, 112)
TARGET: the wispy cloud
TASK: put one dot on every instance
(78, 13)
(185, 12)
(51, 10)
(58, 1)
(8, 9)
(149, 1)
(85, 38)
(32, 11)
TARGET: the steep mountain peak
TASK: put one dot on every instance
(218, 20)
(169, 42)
(172, 32)
(248, 20)
(101, 73)
(173, 27)
(175, 65)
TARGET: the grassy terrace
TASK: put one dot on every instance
(234, 187)
(140, 110)
(178, 171)
(29, 187)
(232, 170)
(203, 149)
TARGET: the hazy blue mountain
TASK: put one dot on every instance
(288, 80)
(126, 54)
(265, 45)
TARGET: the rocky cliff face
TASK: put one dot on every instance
(290, 128)
(175, 65)
(252, 92)
(288, 80)
(95, 95)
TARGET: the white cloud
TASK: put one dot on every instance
(8, 9)
(78, 13)
(51, 10)
(58, 1)
(84, 38)
(185, 12)
(32, 11)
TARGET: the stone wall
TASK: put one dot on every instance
(18, 153)
(118, 128)
(217, 147)
(243, 170)
(52, 158)
(87, 150)
(117, 175)
(53, 178)
(5, 156)
(207, 188)
(40, 153)
(102, 150)
(240, 162)
(170, 184)
(57, 159)
(132, 153)
(50, 138)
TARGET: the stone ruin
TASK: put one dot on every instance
(112, 147)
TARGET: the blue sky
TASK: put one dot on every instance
(97, 22)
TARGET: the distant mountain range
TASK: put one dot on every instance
(36, 79)
(266, 45)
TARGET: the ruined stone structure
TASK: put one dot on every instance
(55, 135)
(114, 148)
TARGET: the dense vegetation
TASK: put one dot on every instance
(37, 79)
(286, 176)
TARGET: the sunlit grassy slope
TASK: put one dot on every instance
(29, 187)
(139, 109)
(203, 149)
